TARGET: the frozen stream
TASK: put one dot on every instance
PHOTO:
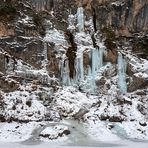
(78, 136)
(77, 139)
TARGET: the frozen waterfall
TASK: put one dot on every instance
(65, 71)
(85, 70)
(96, 56)
(85, 77)
(122, 66)
(79, 65)
(80, 19)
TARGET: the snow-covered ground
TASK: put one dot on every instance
(119, 144)
(16, 132)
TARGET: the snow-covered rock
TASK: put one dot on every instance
(55, 132)
(69, 102)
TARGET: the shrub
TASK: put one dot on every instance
(7, 9)
(110, 41)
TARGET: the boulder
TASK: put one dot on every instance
(2, 118)
(101, 82)
(111, 118)
(138, 82)
(55, 132)
(8, 85)
(142, 109)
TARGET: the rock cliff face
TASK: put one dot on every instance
(23, 25)
(84, 59)
(125, 17)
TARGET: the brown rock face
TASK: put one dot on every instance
(86, 59)
(101, 81)
(8, 86)
(111, 56)
(71, 54)
(126, 17)
(123, 16)
(137, 83)
(29, 50)
(53, 65)
(42, 5)
(56, 10)
(6, 31)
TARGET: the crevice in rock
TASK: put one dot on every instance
(71, 53)
(94, 18)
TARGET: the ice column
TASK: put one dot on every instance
(96, 57)
(80, 19)
(71, 22)
(101, 54)
(122, 65)
(65, 72)
(79, 66)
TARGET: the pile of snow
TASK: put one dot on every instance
(100, 131)
(38, 75)
(132, 130)
(23, 106)
(15, 132)
(68, 101)
(138, 65)
(127, 114)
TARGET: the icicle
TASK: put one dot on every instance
(9, 66)
(97, 59)
(79, 66)
(65, 72)
(80, 19)
(101, 53)
(122, 65)
(45, 61)
(71, 22)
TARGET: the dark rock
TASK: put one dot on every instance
(2, 63)
(116, 119)
(111, 118)
(121, 101)
(104, 117)
(101, 81)
(142, 109)
(8, 85)
(137, 83)
(130, 71)
(96, 104)
(44, 135)
(29, 103)
(80, 113)
(2, 118)
(141, 92)
(111, 56)
(65, 132)
(14, 107)
(143, 123)
(110, 126)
